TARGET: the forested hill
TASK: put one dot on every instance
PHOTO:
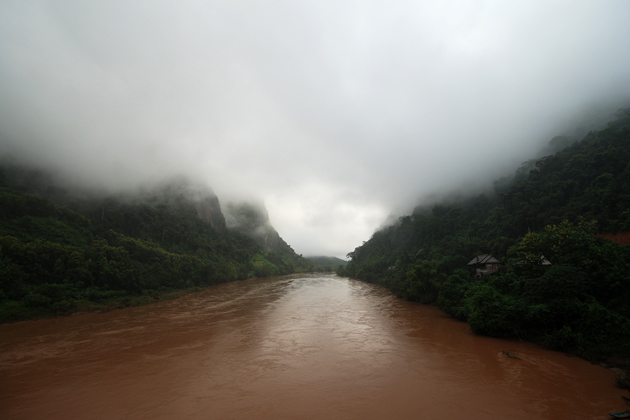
(252, 219)
(580, 303)
(127, 248)
(327, 263)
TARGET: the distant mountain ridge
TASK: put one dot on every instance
(327, 263)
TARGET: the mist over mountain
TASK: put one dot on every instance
(252, 220)
(334, 114)
(64, 249)
(543, 258)
(152, 147)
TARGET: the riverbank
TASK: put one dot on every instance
(621, 367)
(497, 315)
(12, 311)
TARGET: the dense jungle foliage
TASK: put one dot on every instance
(580, 303)
(52, 257)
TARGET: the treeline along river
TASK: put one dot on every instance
(294, 347)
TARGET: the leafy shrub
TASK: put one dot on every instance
(36, 300)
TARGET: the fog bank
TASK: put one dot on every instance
(335, 114)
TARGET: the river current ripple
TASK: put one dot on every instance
(314, 346)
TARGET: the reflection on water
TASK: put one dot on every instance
(300, 346)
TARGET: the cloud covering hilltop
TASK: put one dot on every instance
(333, 113)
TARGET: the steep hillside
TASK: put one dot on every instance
(252, 220)
(553, 213)
(170, 237)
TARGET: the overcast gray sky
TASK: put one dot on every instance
(335, 113)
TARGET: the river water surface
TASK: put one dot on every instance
(295, 347)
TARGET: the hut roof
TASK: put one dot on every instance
(484, 259)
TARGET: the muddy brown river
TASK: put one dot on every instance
(295, 347)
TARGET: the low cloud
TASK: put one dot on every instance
(336, 114)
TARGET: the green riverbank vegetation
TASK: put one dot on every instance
(109, 251)
(559, 282)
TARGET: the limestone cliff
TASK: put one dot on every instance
(186, 196)
(209, 210)
(252, 219)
